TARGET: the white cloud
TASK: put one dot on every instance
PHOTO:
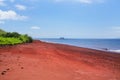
(35, 27)
(20, 7)
(11, 15)
(81, 1)
(2, 3)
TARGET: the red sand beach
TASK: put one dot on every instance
(48, 61)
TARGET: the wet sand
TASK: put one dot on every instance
(49, 61)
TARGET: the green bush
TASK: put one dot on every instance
(9, 41)
(13, 34)
(12, 38)
(25, 39)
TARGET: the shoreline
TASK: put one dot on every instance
(100, 49)
(51, 61)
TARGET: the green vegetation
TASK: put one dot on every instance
(12, 38)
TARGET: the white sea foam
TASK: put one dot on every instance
(118, 51)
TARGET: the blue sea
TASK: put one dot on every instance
(99, 44)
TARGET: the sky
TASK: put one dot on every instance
(61, 18)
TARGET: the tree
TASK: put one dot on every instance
(13, 34)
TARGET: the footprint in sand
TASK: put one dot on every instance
(22, 67)
(4, 72)
(0, 60)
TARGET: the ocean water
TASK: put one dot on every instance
(99, 44)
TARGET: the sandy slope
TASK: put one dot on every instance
(47, 61)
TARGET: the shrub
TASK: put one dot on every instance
(12, 38)
(13, 34)
(9, 41)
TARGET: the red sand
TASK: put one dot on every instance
(48, 61)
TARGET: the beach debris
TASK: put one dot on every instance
(0, 60)
(22, 67)
(105, 49)
(7, 69)
(3, 72)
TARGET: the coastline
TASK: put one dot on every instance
(100, 49)
(53, 61)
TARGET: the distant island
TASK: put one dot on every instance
(12, 38)
(61, 38)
